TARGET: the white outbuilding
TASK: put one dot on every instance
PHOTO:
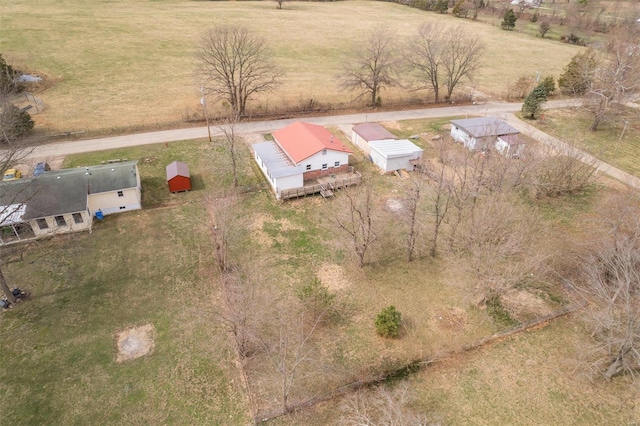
(364, 133)
(392, 154)
(481, 133)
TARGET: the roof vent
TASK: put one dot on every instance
(331, 139)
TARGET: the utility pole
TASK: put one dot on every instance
(203, 101)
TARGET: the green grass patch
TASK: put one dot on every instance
(614, 142)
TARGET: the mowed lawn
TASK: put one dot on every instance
(614, 142)
(58, 349)
(121, 64)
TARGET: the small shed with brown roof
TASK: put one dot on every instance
(364, 133)
(178, 177)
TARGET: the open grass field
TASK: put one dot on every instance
(156, 266)
(615, 143)
(531, 379)
(120, 65)
(58, 348)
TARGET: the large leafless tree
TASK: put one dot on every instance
(443, 56)
(356, 218)
(15, 144)
(235, 65)
(616, 78)
(608, 285)
(372, 66)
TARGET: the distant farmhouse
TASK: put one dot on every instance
(486, 133)
(66, 200)
(299, 153)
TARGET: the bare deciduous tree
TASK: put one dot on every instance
(292, 352)
(499, 243)
(462, 60)
(381, 406)
(425, 57)
(616, 79)
(371, 67)
(356, 218)
(608, 286)
(228, 128)
(235, 65)
(443, 56)
(561, 169)
(415, 194)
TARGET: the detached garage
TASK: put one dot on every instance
(391, 155)
(178, 177)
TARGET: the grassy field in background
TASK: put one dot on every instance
(123, 64)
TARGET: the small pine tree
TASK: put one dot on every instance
(578, 73)
(533, 103)
(388, 322)
(509, 20)
(549, 84)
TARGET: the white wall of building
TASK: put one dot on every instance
(115, 201)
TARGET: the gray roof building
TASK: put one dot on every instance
(485, 126)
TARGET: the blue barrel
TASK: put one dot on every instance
(99, 215)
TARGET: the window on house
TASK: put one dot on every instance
(77, 218)
(324, 152)
(336, 164)
(60, 221)
(120, 194)
(325, 166)
(42, 224)
(308, 166)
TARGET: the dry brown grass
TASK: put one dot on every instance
(125, 64)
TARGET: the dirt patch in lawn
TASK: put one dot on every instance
(451, 319)
(525, 305)
(333, 277)
(394, 204)
(135, 342)
(262, 237)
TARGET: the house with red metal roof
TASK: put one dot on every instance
(298, 153)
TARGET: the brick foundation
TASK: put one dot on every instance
(315, 174)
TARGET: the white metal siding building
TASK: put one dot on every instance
(393, 154)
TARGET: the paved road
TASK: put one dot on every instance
(499, 109)
(90, 145)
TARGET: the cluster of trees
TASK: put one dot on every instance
(438, 57)
(274, 332)
(235, 64)
(469, 206)
(607, 78)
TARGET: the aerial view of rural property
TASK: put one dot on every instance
(353, 212)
